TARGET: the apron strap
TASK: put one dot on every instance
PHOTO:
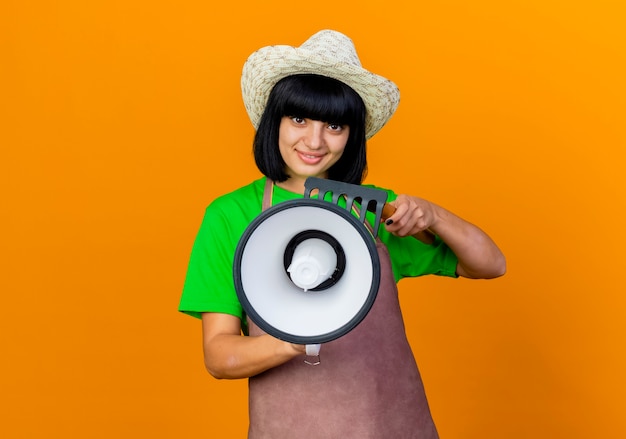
(267, 194)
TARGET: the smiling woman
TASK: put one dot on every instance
(314, 107)
(297, 108)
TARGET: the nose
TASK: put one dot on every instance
(315, 135)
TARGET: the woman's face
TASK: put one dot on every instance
(309, 148)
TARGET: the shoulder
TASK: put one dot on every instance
(240, 205)
(232, 212)
(244, 196)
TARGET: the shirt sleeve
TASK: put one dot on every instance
(209, 285)
(411, 257)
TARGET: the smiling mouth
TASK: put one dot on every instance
(310, 158)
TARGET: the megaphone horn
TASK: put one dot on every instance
(307, 271)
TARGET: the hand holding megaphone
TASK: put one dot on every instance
(426, 236)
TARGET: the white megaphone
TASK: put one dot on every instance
(307, 271)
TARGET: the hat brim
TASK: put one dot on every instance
(265, 67)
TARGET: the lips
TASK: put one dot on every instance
(310, 159)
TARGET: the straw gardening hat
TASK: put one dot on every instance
(327, 53)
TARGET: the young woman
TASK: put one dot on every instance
(314, 107)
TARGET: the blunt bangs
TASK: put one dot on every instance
(319, 98)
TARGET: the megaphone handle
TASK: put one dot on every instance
(313, 350)
(426, 236)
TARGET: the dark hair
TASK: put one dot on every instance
(318, 98)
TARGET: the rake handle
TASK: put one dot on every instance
(426, 236)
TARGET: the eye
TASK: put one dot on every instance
(297, 120)
(335, 127)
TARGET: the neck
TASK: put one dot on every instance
(292, 184)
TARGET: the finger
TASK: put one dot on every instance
(388, 211)
(401, 209)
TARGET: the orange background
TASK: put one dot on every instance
(121, 120)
